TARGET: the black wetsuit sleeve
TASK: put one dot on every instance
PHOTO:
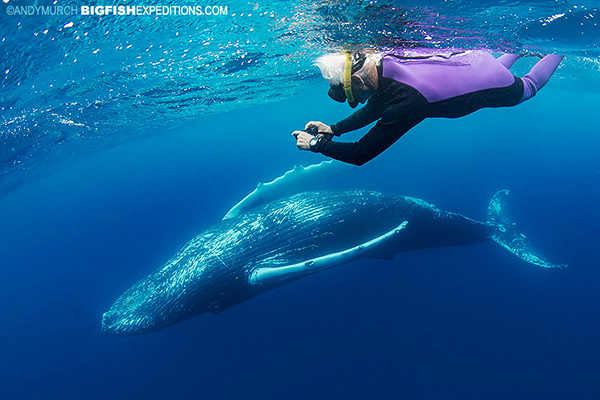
(371, 112)
(405, 108)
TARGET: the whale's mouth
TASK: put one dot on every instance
(133, 314)
(161, 299)
(191, 283)
(114, 323)
(141, 309)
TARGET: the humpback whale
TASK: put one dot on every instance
(286, 239)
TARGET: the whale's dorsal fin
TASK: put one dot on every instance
(275, 275)
(299, 179)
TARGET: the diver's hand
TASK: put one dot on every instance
(321, 127)
(302, 139)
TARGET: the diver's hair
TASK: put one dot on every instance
(332, 65)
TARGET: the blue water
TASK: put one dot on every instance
(84, 217)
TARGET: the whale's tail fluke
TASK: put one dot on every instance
(506, 234)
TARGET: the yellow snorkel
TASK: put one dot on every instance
(348, 77)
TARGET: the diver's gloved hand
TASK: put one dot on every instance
(319, 127)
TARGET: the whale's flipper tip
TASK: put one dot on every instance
(506, 234)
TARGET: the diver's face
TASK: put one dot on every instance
(360, 90)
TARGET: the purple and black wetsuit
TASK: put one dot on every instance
(414, 85)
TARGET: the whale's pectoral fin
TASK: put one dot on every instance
(263, 275)
(294, 181)
(506, 234)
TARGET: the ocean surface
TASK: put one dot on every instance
(122, 137)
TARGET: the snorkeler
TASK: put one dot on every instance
(406, 86)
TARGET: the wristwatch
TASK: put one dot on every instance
(313, 143)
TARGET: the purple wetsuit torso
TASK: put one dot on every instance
(443, 75)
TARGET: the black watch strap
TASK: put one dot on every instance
(314, 142)
(317, 143)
